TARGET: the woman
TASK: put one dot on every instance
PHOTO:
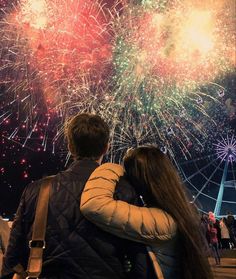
(178, 252)
(212, 230)
(225, 237)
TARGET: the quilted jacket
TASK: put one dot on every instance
(151, 226)
(75, 248)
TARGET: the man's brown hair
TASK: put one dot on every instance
(87, 136)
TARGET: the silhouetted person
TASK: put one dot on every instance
(225, 237)
(231, 224)
(75, 248)
(214, 242)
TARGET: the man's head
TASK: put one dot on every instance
(87, 136)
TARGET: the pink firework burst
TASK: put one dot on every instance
(62, 43)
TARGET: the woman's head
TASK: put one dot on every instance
(154, 176)
(156, 179)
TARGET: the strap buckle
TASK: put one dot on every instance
(37, 244)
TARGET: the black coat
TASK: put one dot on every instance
(75, 248)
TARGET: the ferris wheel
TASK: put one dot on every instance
(211, 179)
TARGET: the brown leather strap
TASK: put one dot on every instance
(155, 263)
(37, 244)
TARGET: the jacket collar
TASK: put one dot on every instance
(84, 163)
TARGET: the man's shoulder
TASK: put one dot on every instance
(32, 189)
(67, 177)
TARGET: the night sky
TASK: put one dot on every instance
(47, 76)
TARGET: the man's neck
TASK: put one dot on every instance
(99, 160)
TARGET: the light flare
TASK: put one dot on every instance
(188, 44)
(34, 13)
(197, 35)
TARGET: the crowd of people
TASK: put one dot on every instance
(102, 216)
(219, 234)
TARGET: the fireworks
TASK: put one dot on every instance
(53, 45)
(157, 71)
(148, 67)
(52, 53)
(186, 45)
(167, 55)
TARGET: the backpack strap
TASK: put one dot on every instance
(37, 244)
(156, 266)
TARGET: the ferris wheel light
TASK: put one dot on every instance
(226, 149)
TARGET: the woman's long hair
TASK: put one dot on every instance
(158, 182)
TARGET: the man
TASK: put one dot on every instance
(231, 224)
(75, 248)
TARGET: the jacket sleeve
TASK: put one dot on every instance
(17, 250)
(13, 254)
(142, 224)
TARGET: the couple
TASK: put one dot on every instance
(100, 218)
